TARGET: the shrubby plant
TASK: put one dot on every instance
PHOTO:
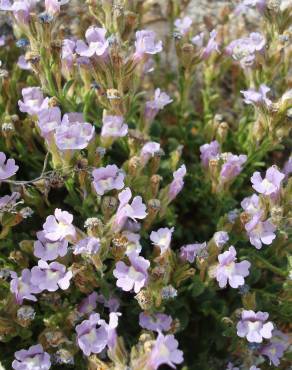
(145, 192)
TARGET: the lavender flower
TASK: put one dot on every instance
(152, 107)
(50, 276)
(162, 238)
(287, 169)
(230, 271)
(8, 202)
(251, 204)
(88, 304)
(7, 169)
(53, 6)
(59, 226)
(183, 25)
(221, 238)
(74, 136)
(22, 287)
(209, 151)
(257, 98)
(177, 183)
(165, 351)
(23, 64)
(211, 46)
(260, 232)
(245, 5)
(275, 349)
(89, 245)
(190, 251)
(271, 184)
(48, 250)
(133, 242)
(48, 120)
(145, 44)
(149, 150)
(111, 303)
(97, 44)
(33, 101)
(68, 50)
(232, 166)
(134, 276)
(252, 326)
(32, 359)
(114, 126)
(107, 178)
(156, 322)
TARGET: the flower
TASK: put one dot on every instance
(177, 183)
(75, 135)
(48, 250)
(232, 166)
(111, 303)
(59, 226)
(209, 151)
(248, 4)
(113, 126)
(22, 287)
(251, 204)
(107, 178)
(68, 50)
(162, 238)
(183, 25)
(88, 304)
(149, 150)
(152, 107)
(134, 276)
(48, 120)
(275, 349)
(165, 351)
(221, 238)
(7, 169)
(271, 184)
(190, 251)
(133, 241)
(32, 359)
(97, 44)
(135, 210)
(33, 101)
(8, 202)
(252, 326)
(259, 97)
(50, 276)
(211, 46)
(156, 322)
(287, 169)
(23, 64)
(145, 44)
(53, 6)
(260, 232)
(89, 245)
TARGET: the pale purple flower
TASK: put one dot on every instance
(149, 150)
(2, 40)
(53, 7)
(74, 135)
(190, 251)
(271, 184)
(162, 238)
(260, 232)
(245, 5)
(33, 101)
(89, 245)
(133, 243)
(88, 304)
(229, 271)
(8, 202)
(107, 178)
(59, 226)
(97, 43)
(32, 359)
(209, 151)
(257, 98)
(22, 287)
(134, 276)
(68, 51)
(177, 183)
(165, 352)
(155, 322)
(48, 120)
(221, 238)
(254, 327)
(212, 45)
(198, 40)
(48, 250)
(111, 303)
(152, 107)
(231, 367)
(253, 367)
(145, 44)
(251, 204)
(232, 166)
(287, 169)
(111, 329)
(275, 349)
(135, 210)
(114, 126)
(23, 64)
(51, 276)
(21, 10)
(7, 168)
(183, 25)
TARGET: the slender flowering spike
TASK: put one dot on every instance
(152, 107)
(165, 352)
(257, 98)
(33, 101)
(134, 276)
(91, 339)
(88, 304)
(145, 44)
(48, 250)
(89, 245)
(48, 120)
(253, 326)
(251, 205)
(156, 322)
(7, 169)
(22, 287)
(190, 251)
(275, 349)
(230, 271)
(149, 150)
(74, 136)
(114, 126)
(59, 226)
(221, 238)
(271, 184)
(232, 166)
(50, 276)
(32, 359)
(107, 178)
(209, 151)
(260, 232)
(177, 183)
(97, 44)
(183, 25)
(162, 238)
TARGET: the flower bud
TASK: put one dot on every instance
(222, 132)
(153, 207)
(63, 357)
(84, 277)
(134, 166)
(144, 298)
(25, 315)
(155, 184)
(108, 206)
(94, 226)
